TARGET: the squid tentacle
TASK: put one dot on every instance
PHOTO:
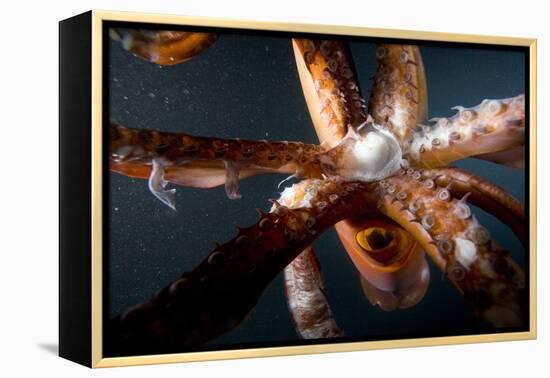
(197, 161)
(482, 194)
(163, 47)
(487, 276)
(399, 97)
(380, 156)
(220, 292)
(307, 300)
(334, 101)
(490, 127)
(143, 145)
(330, 87)
(216, 296)
(305, 294)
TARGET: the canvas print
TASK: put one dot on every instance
(273, 189)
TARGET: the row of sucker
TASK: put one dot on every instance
(334, 78)
(458, 244)
(491, 126)
(216, 296)
(307, 300)
(483, 194)
(399, 96)
(144, 146)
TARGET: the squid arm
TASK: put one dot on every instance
(491, 127)
(399, 96)
(162, 47)
(216, 296)
(462, 248)
(204, 162)
(305, 293)
(330, 87)
(307, 299)
(482, 194)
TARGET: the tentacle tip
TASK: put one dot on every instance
(234, 196)
(157, 186)
(170, 199)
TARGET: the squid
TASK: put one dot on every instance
(380, 175)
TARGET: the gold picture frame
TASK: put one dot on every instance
(91, 329)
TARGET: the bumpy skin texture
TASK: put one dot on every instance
(221, 291)
(136, 146)
(492, 126)
(334, 90)
(305, 293)
(482, 194)
(331, 91)
(207, 162)
(307, 299)
(458, 244)
(430, 204)
(399, 95)
(328, 80)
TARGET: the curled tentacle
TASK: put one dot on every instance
(490, 127)
(163, 46)
(330, 87)
(399, 98)
(216, 296)
(487, 276)
(483, 194)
